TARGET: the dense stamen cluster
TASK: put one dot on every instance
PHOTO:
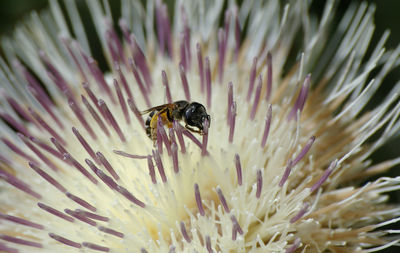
(267, 171)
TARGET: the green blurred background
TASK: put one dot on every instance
(387, 17)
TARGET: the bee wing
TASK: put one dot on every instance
(156, 108)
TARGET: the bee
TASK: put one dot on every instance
(193, 114)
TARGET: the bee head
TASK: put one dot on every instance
(195, 115)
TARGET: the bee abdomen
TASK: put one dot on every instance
(147, 123)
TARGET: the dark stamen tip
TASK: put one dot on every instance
(184, 232)
(222, 200)
(198, 199)
(324, 177)
(122, 153)
(259, 183)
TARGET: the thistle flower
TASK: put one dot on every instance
(278, 168)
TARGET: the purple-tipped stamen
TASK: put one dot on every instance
(55, 212)
(46, 147)
(198, 199)
(123, 153)
(110, 119)
(304, 151)
(14, 181)
(152, 172)
(140, 59)
(125, 29)
(96, 247)
(160, 28)
(166, 87)
(47, 127)
(301, 99)
(300, 214)
(256, 98)
(235, 228)
(237, 34)
(16, 240)
(95, 116)
(122, 102)
(227, 23)
(230, 102)
(91, 95)
(204, 143)
(130, 197)
(65, 241)
(39, 154)
(19, 110)
(253, 72)
(58, 145)
(103, 177)
(85, 145)
(67, 46)
(184, 232)
(47, 177)
(232, 122)
(324, 177)
(68, 157)
(45, 105)
(286, 174)
(184, 80)
(33, 83)
(92, 216)
(269, 77)
(208, 82)
(81, 202)
(98, 75)
(54, 74)
(221, 53)
(18, 151)
(172, 249)
(238, 169)
(111, 232)
(20, 221)
(183, 51)
(267, 127)
(123, 81)
(179, 135)
(143, 250)
(187, 36)
(111, 49)
(259, 183)
(136, 111)
(236, 224)
(201, 67)
(107, 165)
(139, 82)
(174, 149)
(208, 244)
(163, 28)
(167, 30)
(222, 200)
(295, 245)
(80, 217)
(191, 137)
(7, 249)
(14, 123)
(160, 166)
(115, 41)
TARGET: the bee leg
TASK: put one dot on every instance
(193, 130)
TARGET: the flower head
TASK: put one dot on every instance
(275, 169)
